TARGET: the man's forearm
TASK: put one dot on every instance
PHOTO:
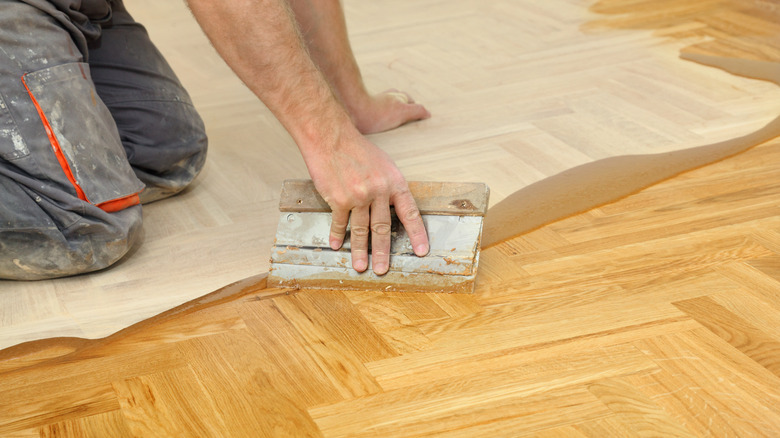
(259, 39)
(260, 42)
(324, 31)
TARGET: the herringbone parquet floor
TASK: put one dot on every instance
(656, 315)
(521, 91)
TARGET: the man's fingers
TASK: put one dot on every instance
(380, 237)
(400, 96)
(417, 112)
(338, 228)
(412, 110)
(359, 223)
(407, 212)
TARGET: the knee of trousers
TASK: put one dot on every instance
(165, 142)
(89, 244)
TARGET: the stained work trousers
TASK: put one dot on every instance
(93, 122)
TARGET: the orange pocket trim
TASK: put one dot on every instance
(120, 203)
(55, 145)
(108, 206)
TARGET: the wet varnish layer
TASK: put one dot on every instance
(741, 37)
(661, 319)
(600, 182)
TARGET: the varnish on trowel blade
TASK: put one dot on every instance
(452, 213)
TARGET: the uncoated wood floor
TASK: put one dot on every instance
(518, 92)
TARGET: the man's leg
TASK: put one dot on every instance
(162, 133)
(68, 197)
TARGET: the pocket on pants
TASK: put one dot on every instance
(12, 144)
(83, 136)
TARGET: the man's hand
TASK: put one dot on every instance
(385, 111)
(259, 40)
(360, 182)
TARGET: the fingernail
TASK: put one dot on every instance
(380, 269)
(421, 249)
(335, 244)
(360, 265)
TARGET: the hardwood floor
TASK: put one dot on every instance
(654, 315)
(518, 93)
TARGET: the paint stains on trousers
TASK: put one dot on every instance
(92, 121)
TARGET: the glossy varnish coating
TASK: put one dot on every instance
(654, 315)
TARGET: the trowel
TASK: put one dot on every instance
(453, 213)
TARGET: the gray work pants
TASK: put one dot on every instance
(92, 122)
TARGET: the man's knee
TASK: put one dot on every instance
(165, 142)
(162, 133)
(86, 246)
